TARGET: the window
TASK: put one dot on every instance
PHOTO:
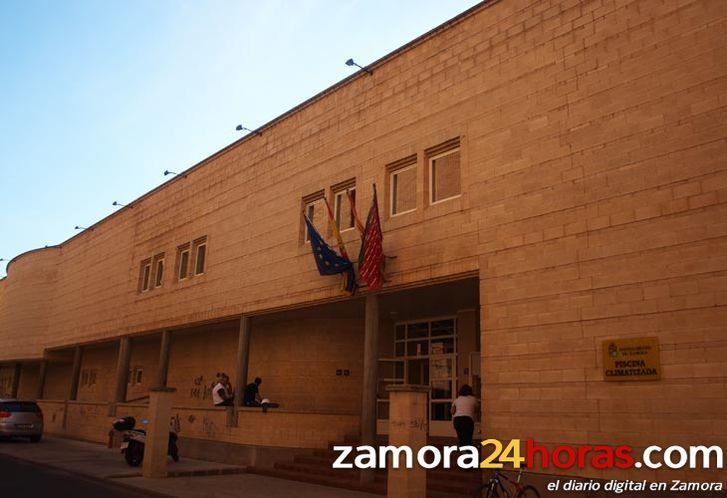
(88, 378)
(313, 208)
(183, 262)
(145, 275)
(135, 376)
(158, 270)
(200, 255)
(444, 172)
(403, 186)
(342, 212)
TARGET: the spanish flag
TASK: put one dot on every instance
(371, 257)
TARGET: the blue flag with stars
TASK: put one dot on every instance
(328, 261)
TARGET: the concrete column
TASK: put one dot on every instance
(76, 372)
(43, 369)
(16, 380)
(243, 358)
(408, 425)
(370, 371)
(157, 432)
(163, 368)
(122, 369)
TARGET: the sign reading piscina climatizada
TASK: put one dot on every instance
(631, 359)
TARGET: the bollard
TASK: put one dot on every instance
(408, 425)
(157, 433)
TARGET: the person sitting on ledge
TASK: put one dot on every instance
(221, 392)
(252, 393)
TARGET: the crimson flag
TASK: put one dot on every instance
(371, 257)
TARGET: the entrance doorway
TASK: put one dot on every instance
(425, 353)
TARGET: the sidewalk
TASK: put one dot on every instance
(196, 478)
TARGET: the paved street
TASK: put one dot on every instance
(21, 479)
(95, 460)
(60, 468)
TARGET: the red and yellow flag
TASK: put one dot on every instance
(371, 256)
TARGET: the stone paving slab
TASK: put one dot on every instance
(195, 478)
(95, 460)
(247, 485)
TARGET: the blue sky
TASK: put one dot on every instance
(98, 98)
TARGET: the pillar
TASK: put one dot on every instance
(122, 369)
(243, 357)
(16, 380)
(408, 425)
(43, 369)
(163, 368)
(370, 371)
(157, 432)
(76, 372)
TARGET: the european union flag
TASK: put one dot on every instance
(328, 261)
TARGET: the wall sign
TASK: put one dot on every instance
(631, 359)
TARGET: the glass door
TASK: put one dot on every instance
(442, 368)
(443, 376)
(425, 354)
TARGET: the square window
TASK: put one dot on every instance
(145, 275)
(444, 176)
(342, 211)
(403, 189)
(183, 262)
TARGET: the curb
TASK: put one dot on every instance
(210, 472)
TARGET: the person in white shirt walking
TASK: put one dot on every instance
(463, 415)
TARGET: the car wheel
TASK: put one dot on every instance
(35, 439)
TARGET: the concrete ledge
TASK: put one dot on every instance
(258, 409)
(132, 405)
(201, 409)
(209, 472)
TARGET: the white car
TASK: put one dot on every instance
(20, 418)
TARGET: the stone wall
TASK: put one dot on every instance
(593, 203)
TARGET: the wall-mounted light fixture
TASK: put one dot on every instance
(254, 132)
(351, 62)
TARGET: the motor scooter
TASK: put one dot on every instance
(134, 441)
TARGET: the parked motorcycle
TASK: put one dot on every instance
(135, 440)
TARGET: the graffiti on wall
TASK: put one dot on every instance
(175, 424)
(200, 390)
(208, 426)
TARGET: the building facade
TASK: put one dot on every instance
(550, 175)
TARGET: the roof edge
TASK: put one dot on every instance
(311, 100)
